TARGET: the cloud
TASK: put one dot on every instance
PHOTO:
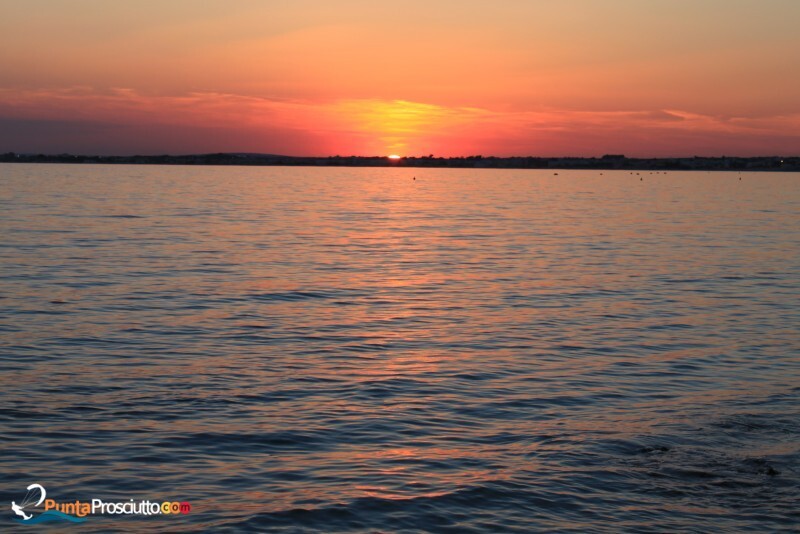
(122, 120)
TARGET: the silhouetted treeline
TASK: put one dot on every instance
(608, 162)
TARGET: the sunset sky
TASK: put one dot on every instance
(447, 77)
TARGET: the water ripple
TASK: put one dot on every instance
(350, 350)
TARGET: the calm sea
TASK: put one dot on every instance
(356, 350)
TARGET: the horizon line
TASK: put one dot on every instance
(391, 157)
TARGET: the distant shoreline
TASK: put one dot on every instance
(608, 162)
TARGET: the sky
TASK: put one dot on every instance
(445, 77)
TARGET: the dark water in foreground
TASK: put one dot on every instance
(318, 349)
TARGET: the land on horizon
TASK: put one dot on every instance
(606, 162)
(660, 79)
(461, 265)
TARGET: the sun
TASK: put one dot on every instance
(394, 156)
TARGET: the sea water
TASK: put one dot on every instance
(373, 349)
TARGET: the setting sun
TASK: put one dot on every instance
(119, 79)
(522, 265)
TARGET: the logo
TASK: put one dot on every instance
(35, 497)
(76, 511)
(35, 491)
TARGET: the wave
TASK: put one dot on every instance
(52, 515)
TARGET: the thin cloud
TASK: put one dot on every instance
(375, 126)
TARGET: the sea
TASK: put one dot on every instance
(322, 349)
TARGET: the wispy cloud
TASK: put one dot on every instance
(374, 126)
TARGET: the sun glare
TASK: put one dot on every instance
(394, 156)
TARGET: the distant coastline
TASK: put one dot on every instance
(607, 162)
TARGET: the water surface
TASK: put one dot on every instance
(355, 350)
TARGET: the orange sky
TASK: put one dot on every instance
(312, 77)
